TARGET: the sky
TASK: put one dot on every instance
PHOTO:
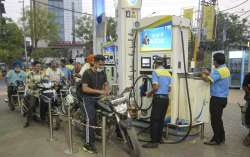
(167, 7)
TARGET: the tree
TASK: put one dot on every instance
(40, 25)
(40, 53)
(230, 30)
(111, 29)
(11, 40)
(84, 31)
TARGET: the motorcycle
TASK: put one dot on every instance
(17, 97)
(48, 95)
(116, 111)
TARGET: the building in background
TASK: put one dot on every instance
(66, 19)
(71, 17)
(59, 14)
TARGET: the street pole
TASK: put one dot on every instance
(24, 35)
(73, 23)
(199, 27)
(34, 23)
(31, 24)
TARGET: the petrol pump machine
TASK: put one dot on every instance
(167, 37)
(140, 41)
(109, 51)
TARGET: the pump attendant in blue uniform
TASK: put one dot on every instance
(161, 79)
(219, 91)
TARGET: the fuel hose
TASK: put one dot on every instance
(139, 107)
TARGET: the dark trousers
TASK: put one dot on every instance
(217, 105)
(158, 113)
(43, 109)
(31, 102)
(88, 109)
(11, 91)
(247, 115)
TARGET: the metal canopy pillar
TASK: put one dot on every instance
(127, 13)
(99, 25)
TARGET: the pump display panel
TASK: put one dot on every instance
(146, 62)
(157, 39)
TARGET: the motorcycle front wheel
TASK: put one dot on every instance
(132, 142)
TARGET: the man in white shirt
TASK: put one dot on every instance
(54, 73)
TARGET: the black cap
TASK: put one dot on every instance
(158, 59)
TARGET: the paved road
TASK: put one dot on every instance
(15, 141)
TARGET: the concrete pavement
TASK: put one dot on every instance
(15, 141)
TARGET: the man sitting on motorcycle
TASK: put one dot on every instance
(94, 84)
(31, 99)
(54, 73)
(13, 77)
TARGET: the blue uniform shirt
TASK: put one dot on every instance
(12, 77)
(66, 73)
(162, 77)
(220, 78)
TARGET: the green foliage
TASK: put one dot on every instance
(8, 56)
(40, 25)
(11, 41)
(39, 53)
(84, 31)
(84, 28)
(11, 35)
(111, 29)
(230, 30)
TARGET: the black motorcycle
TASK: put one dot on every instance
(116, 111)
(49, 98)
(18, 94)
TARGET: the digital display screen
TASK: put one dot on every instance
(133, 2)
(157, 39)
(146, 62)
(111, 49)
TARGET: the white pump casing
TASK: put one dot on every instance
(127, 14)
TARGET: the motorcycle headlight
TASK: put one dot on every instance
(69, 99)
(121, 108)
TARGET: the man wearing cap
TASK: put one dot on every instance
(161, 79)
(89, 63)
(12, 79)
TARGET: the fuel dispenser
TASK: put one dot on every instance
(140, 41)
(109, 51)
(167, 37)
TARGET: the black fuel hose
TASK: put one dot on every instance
(188, 95)
(132, 92)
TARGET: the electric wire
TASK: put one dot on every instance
(53, 6)
(238, 5)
